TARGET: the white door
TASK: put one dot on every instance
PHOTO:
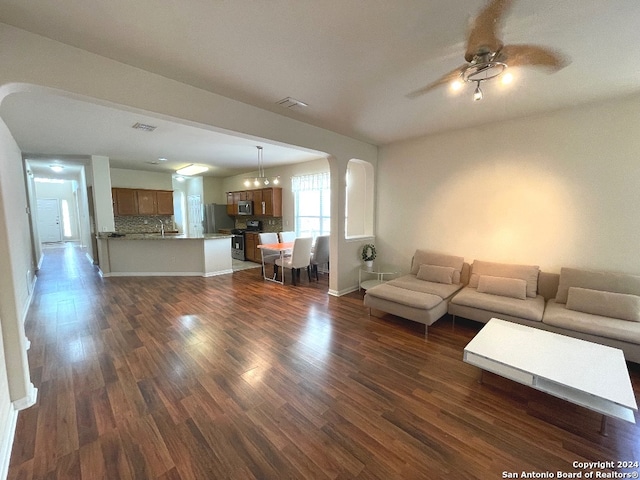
(194, 206)
(49, 220)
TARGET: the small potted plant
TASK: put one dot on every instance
(369, 254)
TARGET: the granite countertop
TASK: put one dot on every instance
(167, 236)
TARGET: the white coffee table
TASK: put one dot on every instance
(585, 373)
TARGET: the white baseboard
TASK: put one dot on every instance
(221, 272)
(28, 400)
(8, 436)
(153, 274)
(165, 274)
(344, 291)
(7, 443)
(27, 304)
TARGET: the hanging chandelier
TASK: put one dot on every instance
(261, 179)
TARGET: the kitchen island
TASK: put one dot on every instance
(154, 254)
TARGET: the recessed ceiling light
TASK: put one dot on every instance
(162, 159)
(192, 170)
(56, 168)
(144, 127)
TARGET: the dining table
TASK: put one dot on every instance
(283, 248)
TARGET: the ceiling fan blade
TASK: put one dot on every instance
(483, 36)
(448, 78)
(532, 55)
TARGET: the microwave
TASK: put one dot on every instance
(245, 207)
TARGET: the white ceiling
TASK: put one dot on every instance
(352, 61)
(54, 129)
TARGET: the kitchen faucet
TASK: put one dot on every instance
(161, 227)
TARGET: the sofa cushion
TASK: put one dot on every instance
(608, 304)
(410, 298)
(529, 309)
(503, 286)
(435, 273)
(528, 273)
(411, 282)
(557, 315)
(595, 280)
(425, 257)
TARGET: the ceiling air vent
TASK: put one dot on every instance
(291, 103)
(143, 127)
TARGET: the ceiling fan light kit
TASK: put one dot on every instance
(477, 94)
(488, 58)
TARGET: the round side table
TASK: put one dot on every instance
(379, 270)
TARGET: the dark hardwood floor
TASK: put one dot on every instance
(234, 377)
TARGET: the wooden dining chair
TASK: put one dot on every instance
(300, 258)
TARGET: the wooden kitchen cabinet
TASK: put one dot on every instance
(256, 197)
(251, 250)
(147, 202)
(239, 196)
(132, 201)
(124, 201)
(267, 202)
(231, 206)
(271, 205)
(165, 202)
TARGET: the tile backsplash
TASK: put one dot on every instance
(143, 223)
(271, 224)
(151, 224)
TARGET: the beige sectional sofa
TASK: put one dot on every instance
(601, 307)
(422, 295)
(500, 290)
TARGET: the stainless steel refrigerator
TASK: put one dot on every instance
(215, 218)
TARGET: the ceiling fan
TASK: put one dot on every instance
(487, 57)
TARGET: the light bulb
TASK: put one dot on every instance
(276, 180)
(477, 94)
(266, 181)
(456, 85)
(507, 78)
(247, 182)
(256, 182)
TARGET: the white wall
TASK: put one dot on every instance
(360, 199)
(7, 416)
(17, 268)
(561, 189)
(102, 199)
(213, 190)
(121, 178)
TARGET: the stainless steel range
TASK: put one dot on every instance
(237, 239)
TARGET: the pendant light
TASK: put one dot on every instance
(261, 179)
